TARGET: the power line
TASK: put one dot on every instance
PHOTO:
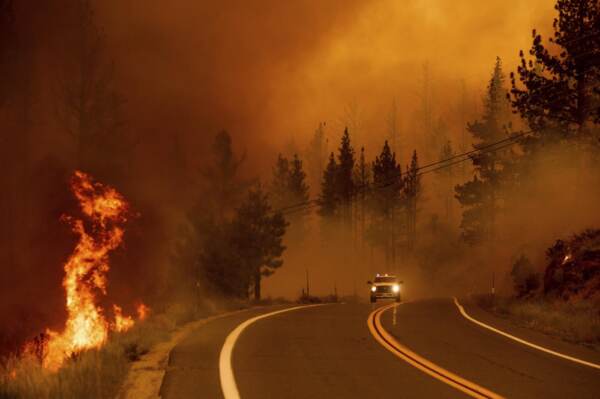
(466, 156)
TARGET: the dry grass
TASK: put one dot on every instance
(574, 322)
(94, 374)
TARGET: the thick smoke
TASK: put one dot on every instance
(268, 72)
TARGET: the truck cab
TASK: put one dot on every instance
(385, 286)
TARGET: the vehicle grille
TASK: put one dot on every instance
(384, 289)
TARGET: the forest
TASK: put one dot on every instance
(248, 179)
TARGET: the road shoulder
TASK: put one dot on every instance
(539, 338)
(145, 377)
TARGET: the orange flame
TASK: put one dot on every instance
(85, 271)
(122, 323)
(142, 311)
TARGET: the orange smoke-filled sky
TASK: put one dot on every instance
(270, 71)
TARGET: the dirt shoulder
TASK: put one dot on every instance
(145, 376)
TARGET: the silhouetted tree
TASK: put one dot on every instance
(329, 198)
(223, 185)
(279, 189)
(362, 183)
(289, 189)
(345, 169)
(560, 90)
(386, 198)
(89, 104)
(525, 278)
(480, 195)
(257, 237)
(412, 194)
(221, 266)
(299, 192)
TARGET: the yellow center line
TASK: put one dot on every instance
(419, 362)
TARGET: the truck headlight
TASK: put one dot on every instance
(396, 288)
(373, 289)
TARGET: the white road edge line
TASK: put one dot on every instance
(522, 341)
(228, 385)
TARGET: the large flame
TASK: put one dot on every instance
(85, 272)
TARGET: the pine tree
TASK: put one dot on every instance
(297, 181)
(412, 194)
(362, 183)
(257, 237)
(386, 196)
(90, 107)
(560, 89)
(299, 194)
(483, 191)
(345, 172)
(279, 189)
(329, 199)
(223, 185)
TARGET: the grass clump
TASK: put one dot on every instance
(92, 374)
(575, 322)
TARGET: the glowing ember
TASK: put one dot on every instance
(85, 272)
(122, 323)
(142, 311)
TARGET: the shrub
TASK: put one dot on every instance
(525, 280)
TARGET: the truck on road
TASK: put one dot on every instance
(385, 286)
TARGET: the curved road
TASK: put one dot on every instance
(329, 352)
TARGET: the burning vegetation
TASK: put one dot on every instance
(85, 279)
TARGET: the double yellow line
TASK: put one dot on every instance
(435, 371)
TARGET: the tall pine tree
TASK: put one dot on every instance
(412, 194)
(258, 237)
(346, 162)
(560, 86)
(329, 198)
(480, 196)
(299, 193)
(362, 183)
(279, 189)
(386, 197)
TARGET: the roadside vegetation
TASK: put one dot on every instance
(96, 373)
(100, 373)
(564, 300)
(574, 322)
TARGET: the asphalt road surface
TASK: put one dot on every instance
(330, 352)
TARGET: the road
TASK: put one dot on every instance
(330, 352)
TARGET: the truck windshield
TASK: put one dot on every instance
(385, 279)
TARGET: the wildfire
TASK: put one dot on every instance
(122, 323)
(142, 311)
(85, 273)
